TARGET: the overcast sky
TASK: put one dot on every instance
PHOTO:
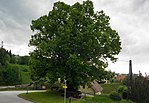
(130, 18)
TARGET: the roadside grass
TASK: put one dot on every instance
(54, 97)
(45, 97)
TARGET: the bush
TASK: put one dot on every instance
(10, 75)
(123, 91)
(139, 89)
(115, 96)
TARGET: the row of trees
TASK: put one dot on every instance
(7, 57)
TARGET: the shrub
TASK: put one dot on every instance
(115, 96)
(123, 91)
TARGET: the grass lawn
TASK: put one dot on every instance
(45, 97)
(102, 99)
(108, 88)
(54, 97)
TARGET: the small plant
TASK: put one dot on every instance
(115, 96)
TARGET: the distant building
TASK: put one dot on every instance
(121, 77)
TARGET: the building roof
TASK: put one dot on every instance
(96, 87)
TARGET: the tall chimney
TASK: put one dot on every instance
(130, 70)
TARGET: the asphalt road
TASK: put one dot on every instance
(11, 97)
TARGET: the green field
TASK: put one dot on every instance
(108, 88)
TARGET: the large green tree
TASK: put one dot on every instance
(73, 42)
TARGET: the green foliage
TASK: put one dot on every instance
(11, 72)
(24, 60)
(115, 96)
(25, 77)
(110, 75)
(73, 42)
(121, 89)
(10, 75)
(139, 89)
(2, 56)
(24, 73)
(7, 57)
(102, 99)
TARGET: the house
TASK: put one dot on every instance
(92, 89)
(121, 77)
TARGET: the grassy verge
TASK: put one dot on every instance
(45, 97)
(54, 97)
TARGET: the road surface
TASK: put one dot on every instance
(11, 97)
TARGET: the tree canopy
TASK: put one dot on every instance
(73, 42)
